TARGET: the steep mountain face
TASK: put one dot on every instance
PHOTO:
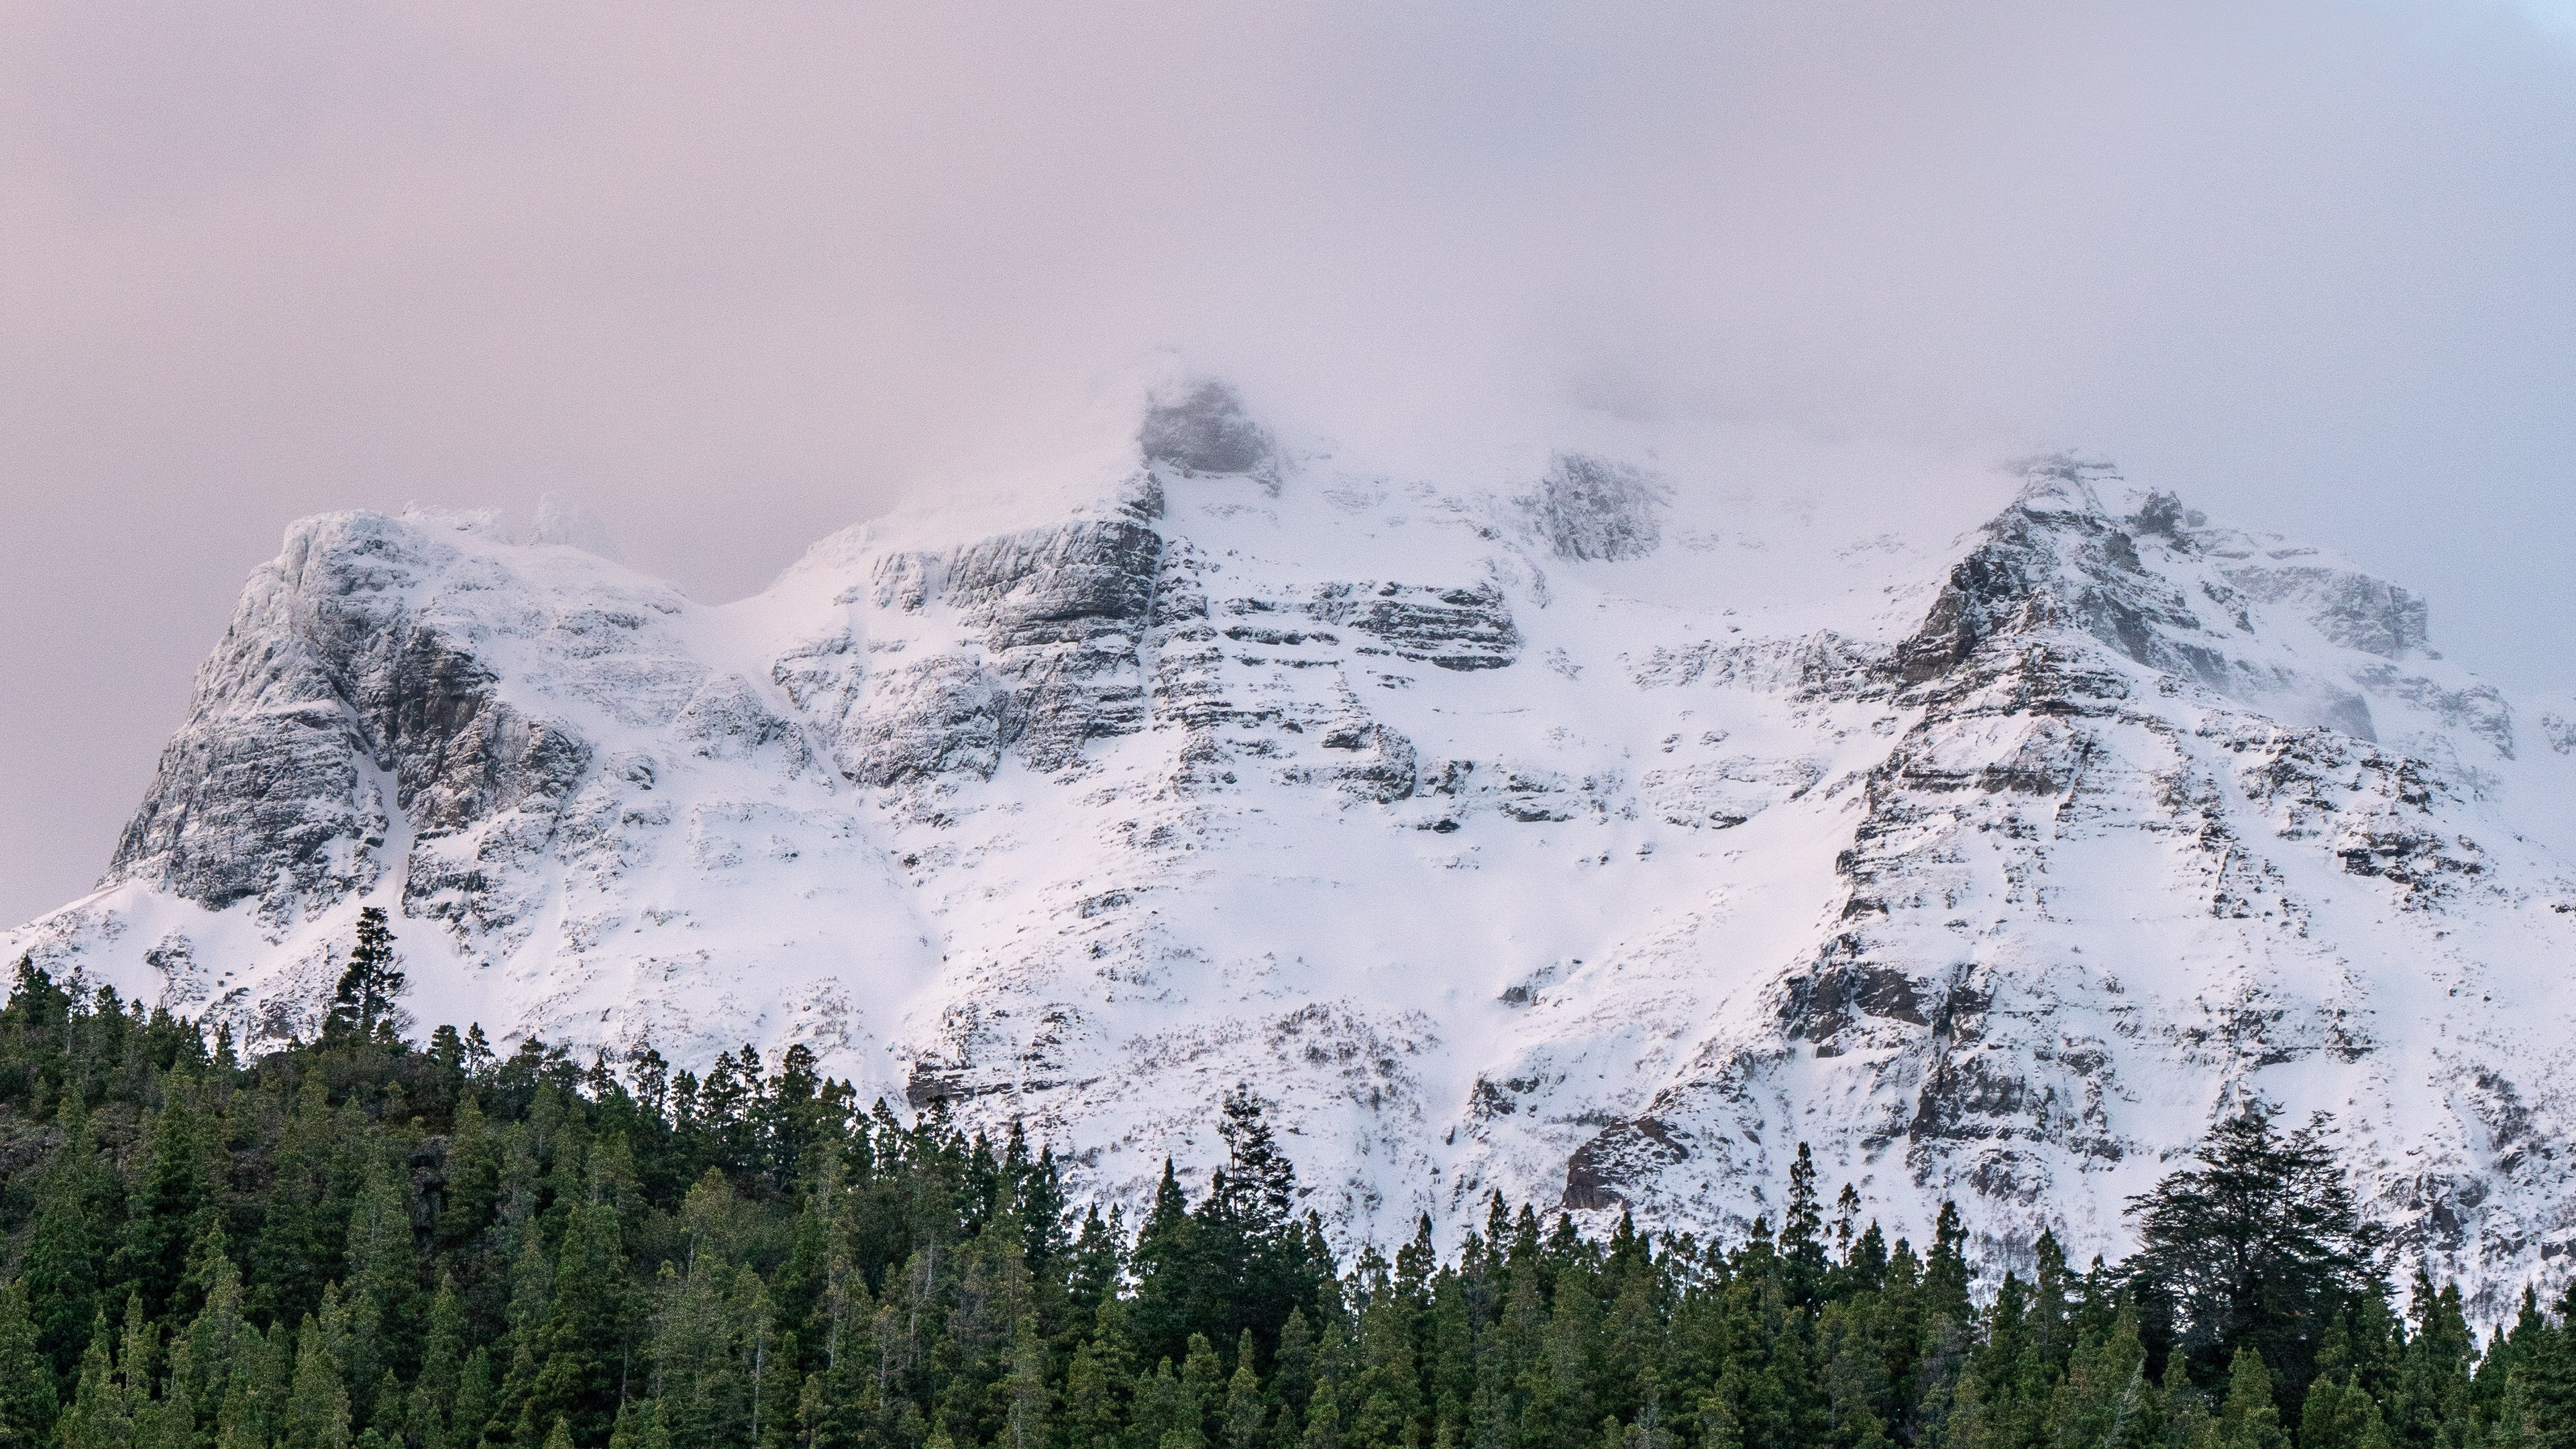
(1590, 835)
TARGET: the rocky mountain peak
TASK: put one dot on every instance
(1203, 428)
(1595, 835)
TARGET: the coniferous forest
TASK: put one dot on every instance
(365, 1242)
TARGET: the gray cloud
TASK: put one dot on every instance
(732, 273)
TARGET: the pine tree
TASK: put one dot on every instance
(257, 1389)
(291, 1258)
(99, 1416)
(478, 1400)
(431, 1417)
(363, 1004)
(1025, 1426)
(2248, 1419)
(61, 1267)
(382, 1282)
(2260, 1245)
(27, 1399)
(1092, 1411)
(2105, 1398)
(532, 1280)
(2339, 1414)
(2540, 1397)
(1802, 1231)
(583, 1340)
(1175, 1280)
(1262, 1181)
(205, 1358)
(1323, 1419)
(2431, 1404)
(473, 1177)
(1945, 1273)
(170, 1203)
(1245, 1414)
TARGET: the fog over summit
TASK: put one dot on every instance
(735, 277)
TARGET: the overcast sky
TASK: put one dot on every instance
(732, 272)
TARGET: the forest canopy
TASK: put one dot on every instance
(364, 1243)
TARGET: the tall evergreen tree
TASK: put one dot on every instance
(364, 1004)
(99, 1416)
(382, 1282)
(169, 1204)
(315, 1411)
(2248, 1419)
(581, 1349)
(2260, 1245)
(27, 1399)
(61, 1269)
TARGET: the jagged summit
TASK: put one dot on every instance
(1203, 429)
(1595, 828)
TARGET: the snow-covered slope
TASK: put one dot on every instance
(1596, 828)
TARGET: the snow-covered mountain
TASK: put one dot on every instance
(1587, 830)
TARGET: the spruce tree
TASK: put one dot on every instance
(2432, 1400)
(1802, 1231)
(98, 1417)
(27, 1399)
(2539, 1401)
(2260, 1245)
(61, 1268)
(255, 1396)
(291, 1259)
(382, 1281)
(1323, 1419)
(316, 1414)
(2248, 1419)
(582, 1342)
(363, 1004)
(430, 1415)
(478, 1399)
(1091, 1404)
(169, 1205)
(1245, 1414)
(205, 1359)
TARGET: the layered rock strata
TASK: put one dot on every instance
(1595, 837)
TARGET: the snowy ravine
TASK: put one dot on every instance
(1589, 834)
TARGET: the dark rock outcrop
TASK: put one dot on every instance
(1060, 613)
(1588, 507)
(1204, 431)
(331, 692)
(1453, 628)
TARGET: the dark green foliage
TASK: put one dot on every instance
(363, 1005)
(63, 1261)
(2259, 1246)
(26, 1379)
(354, 1244)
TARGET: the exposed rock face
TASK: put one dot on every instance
(1454, 628)
(2054, 561)
(1205, 430)
(2351, 609)
(1597, 508)
(327, 689)
(1530, 844)
(1055, 616)
(1989, 1034)
(515, 742)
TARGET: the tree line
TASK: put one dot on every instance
(363, 1243)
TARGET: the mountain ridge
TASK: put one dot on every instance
(1586, 835)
